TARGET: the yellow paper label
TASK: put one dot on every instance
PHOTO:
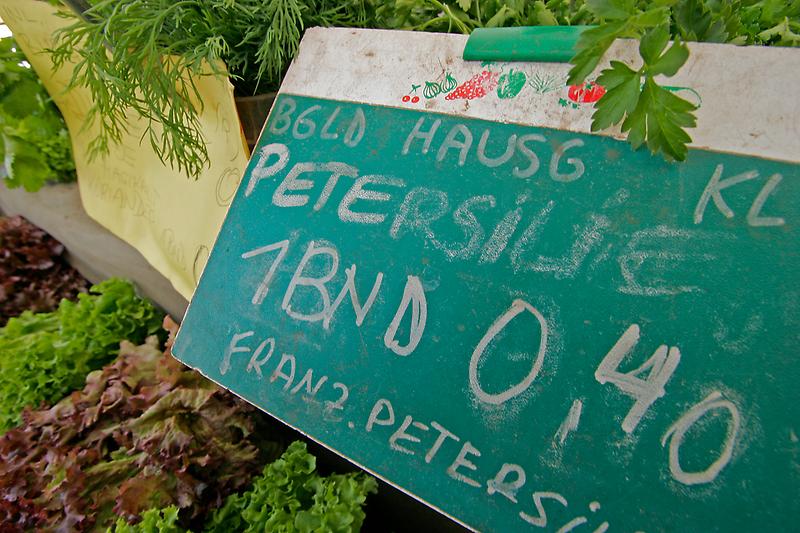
(171, 219)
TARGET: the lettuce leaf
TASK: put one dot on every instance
(44, 356)
(145, 432)
(290, 496)
(34, 142)
(34, 275)
(153, 520)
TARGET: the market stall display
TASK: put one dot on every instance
(527, 214)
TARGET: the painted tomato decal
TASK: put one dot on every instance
(586, 93)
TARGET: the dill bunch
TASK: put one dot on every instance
(145, 56)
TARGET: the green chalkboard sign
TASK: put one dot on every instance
(528, 329)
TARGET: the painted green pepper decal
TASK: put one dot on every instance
(510, 84)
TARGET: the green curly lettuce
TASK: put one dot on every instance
(44, 356)
(290, 496)
(153, 521)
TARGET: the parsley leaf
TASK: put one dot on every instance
(611, 9)
(659, 120)
(592, 44)
(622, 85)
(653, 43)
(464, 4)
(671, 61)
(649, 113)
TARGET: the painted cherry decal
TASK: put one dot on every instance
(413, 99)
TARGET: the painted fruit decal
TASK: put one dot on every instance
(477, 87)
(510, 84)
(409, 98)
(586, 93)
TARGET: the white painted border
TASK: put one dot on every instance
(747, 105)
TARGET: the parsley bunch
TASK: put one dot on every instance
(144, 54)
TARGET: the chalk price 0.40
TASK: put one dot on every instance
(644, 389)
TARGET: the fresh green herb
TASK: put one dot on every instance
(44, 356)
(290, 496)
(34, 142)
(146, 56)
(463, 16)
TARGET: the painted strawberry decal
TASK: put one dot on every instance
(586, 93)
(476, 87)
